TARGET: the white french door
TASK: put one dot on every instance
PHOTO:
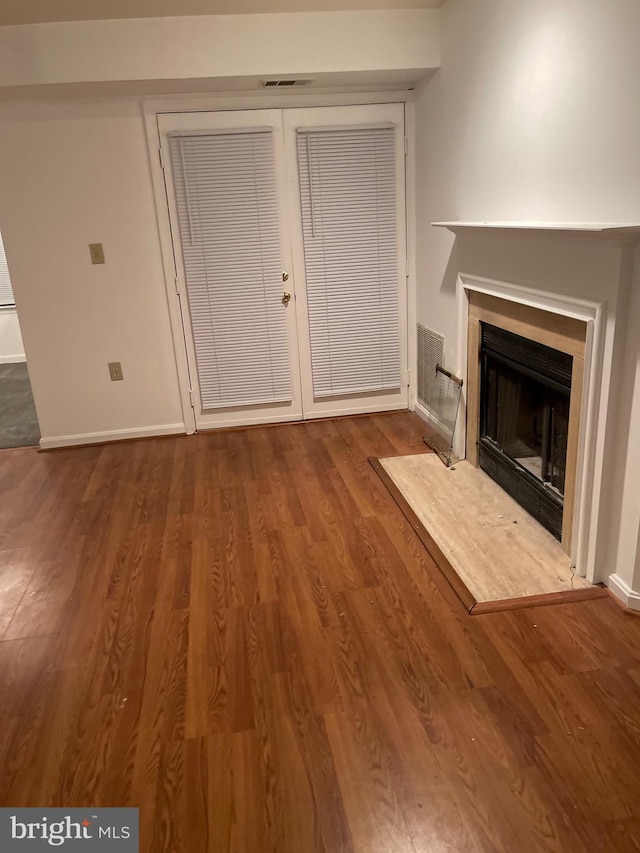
(346, 191)
(288, 237)
(226, 188)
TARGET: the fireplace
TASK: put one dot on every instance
(525, 390)
(525, 374)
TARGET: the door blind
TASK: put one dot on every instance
(6, 292)
(229, 228)
(348, 200)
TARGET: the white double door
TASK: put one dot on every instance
(289, 236)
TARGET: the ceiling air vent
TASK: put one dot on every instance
(269, 84)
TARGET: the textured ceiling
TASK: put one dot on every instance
(41, 11)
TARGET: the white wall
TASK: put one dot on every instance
(218, 46)
(71, 176)
(11, 346)
(74, 173)
(535, 115)
(538, 110)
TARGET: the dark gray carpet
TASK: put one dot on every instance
(18, 421)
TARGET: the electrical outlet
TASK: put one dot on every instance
(115, 371)
(96, 250)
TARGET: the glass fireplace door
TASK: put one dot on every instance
(524, 396)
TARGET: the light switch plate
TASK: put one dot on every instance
(96, 251)
(115, 371)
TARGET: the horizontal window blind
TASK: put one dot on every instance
(229, 229)
(6, 293)
(348, 200)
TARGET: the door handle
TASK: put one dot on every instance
(286, 297)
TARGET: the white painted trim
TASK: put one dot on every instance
(569, 306)
(621, 589)
(113, 435)
(619, 232)
(411, 219)
(12, 359)
(591, 444)
(168, 264)
(239, 101)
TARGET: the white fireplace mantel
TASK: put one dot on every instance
(585, 270)
(615, 231)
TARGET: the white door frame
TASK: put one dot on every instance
(151, 109)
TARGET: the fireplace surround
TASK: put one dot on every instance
(525, 373)
(588, 272)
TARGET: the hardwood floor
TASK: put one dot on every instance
(240, 634)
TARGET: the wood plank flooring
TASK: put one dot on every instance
(240, 634)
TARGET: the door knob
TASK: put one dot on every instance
(285, 276)
(286, 297)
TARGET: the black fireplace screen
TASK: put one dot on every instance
(524, 408)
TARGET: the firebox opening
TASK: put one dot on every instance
(525, 390)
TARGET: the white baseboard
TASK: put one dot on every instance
(115, 435)
(12, 359)
(621, 589)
